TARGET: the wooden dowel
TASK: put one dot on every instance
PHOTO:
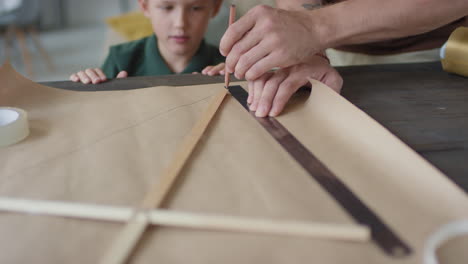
(66, 209)
(155, 197)
(122, 247)
(189, 220)
(261, 226)
(232, 18)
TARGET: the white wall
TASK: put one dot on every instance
(94, 11)
(77, 12)
(86, 12)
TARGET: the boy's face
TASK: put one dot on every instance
(179, 25)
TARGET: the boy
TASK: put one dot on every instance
(176, 47)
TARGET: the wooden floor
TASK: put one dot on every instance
(424, 106)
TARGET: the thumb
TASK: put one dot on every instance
(122, 74)
(333, 80)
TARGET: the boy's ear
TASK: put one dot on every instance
(144, 7)
(217, 7)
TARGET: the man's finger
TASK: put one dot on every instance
(334, 81)
(268, 94)
(257, 94)
(258, 88)
(249, 41)
(286, 89)
(250, 98)
(247, 60)
(262, 66)
(236, 31)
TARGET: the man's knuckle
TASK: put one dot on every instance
(288, 87)
(245, 61)
(267, 97)
(236, 50)
(251, 74)
(261, 9)
(234, 30)
(269, 25)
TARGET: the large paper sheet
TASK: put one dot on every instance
(108, 147)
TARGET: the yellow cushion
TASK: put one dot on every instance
(132, 26)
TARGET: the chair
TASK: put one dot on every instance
(20, 20)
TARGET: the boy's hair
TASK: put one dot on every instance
(146, 1)
(213, 0)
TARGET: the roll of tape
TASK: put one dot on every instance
(13, 125)
(454, 53)
(444, 234)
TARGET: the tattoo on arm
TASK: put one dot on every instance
(312, 6)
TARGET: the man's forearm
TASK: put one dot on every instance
(302, 5)
(298, 4)
(363, 21)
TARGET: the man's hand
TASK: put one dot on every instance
(269, 94)
(266, 38)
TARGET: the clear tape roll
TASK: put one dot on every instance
(454, 53)
(14, 125)
(444, 234)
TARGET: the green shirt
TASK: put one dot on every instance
(142, 58)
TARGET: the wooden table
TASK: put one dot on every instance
(424, 106)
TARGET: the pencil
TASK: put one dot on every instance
(232, 18)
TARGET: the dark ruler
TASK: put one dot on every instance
(385, 238)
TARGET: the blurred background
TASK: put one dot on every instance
(47, 40)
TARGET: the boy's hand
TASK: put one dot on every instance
(214, 70)
(122, 74)
(269, 94)
(93, 76)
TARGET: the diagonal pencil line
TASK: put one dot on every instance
(113, 133)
